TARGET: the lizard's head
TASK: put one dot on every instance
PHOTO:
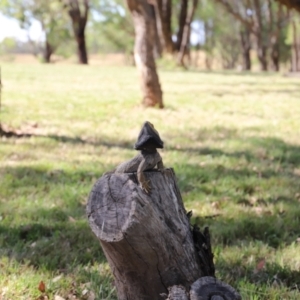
(148, 138)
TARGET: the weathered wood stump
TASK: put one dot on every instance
(147, 239)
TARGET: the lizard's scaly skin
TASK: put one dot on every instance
(142, 162)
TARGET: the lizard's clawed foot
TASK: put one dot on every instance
(146, 187)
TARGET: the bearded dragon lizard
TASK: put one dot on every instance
(148, 141)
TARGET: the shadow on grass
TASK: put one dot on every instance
(56, 246)
(275, 149)
(256, 281)
(264, 170)
(56, 237)
(261, 148)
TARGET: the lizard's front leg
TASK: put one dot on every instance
(144, 184)
(160, 166)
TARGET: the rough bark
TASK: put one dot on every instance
(164, 19)
(181, 23)
(79, 19)
(144, 25)
(186, 34)
(246, 47)
(147, 240)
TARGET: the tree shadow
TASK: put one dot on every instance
(58, 236)
(55, 246)
(272, 274)
(54, 237)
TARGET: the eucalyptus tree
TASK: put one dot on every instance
(78, 11)
(54, 23)
(265, 20)
(144, 26)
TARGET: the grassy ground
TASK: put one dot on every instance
(233, 140)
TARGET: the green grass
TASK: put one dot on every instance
(232, 138)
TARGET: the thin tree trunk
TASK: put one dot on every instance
(261, 47)
(167, 25)
(144, 25)
(158, 40)
(163, 9)
(186, 34)
(262, 54)
(48, 51)
(209, 46)
(246, 47)
(181, 23)
(79, 20)
(296, 60)
(275, 54)
(275, 28)
(81, 48)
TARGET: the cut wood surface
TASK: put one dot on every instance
(147, 239)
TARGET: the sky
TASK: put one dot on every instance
(11, 28)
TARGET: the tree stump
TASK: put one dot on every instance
(146, 238)
(148, 241)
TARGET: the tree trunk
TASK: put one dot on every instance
(144, 25)
(260, 43)
(246, 47)
(181, 23)
(262, 56)
(81, 48)
(147, 239)
(295, 49)
(164, 20)
(79, 20)
(209, 46)
(275, 29)
(186, 34)
(275, 54)
(48, 51)
(158, 41)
